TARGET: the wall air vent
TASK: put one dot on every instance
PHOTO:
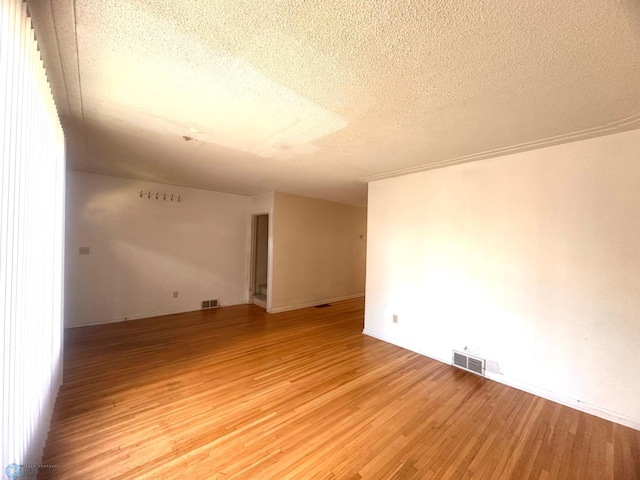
(468, 362)
(210, 303)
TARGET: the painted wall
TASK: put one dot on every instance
(262, 203)
(318, 254)
(530, 260)
(142, 250)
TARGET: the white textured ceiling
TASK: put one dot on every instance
(316, 97)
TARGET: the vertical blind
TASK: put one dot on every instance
(31, 240)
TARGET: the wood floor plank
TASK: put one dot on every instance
(234, 393)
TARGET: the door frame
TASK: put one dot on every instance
(252, 243)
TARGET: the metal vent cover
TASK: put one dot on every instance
(459, 360)
(210, 303)
(468, 362)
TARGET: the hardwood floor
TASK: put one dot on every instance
(235, 393)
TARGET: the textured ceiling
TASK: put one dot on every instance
(316, 98)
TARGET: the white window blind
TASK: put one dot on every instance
(31, 240)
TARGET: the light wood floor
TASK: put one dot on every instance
(236, 393)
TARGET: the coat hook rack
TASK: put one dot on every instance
(159, 195)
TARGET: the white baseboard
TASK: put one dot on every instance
(146, 315)
(313, 304)
(405, 345)
(540, 392)
(567, 401)
(117, 320)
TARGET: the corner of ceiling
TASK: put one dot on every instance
(54, 23)
(631, 122)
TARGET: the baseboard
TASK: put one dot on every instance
(313, 304)
(258, 302)
(160, 314)
(405, 345)
(567, 401)
(147, 315)
(540, 392)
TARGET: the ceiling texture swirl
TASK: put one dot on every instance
(317, 98)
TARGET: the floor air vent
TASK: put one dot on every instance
(469, 363)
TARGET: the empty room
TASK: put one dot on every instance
(320, 240)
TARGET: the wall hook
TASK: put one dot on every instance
(158, 195)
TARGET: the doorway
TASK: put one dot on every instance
(259, 286)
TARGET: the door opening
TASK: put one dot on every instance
(259, 288)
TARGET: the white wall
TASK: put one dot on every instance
(530, 260)
(142, 250)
